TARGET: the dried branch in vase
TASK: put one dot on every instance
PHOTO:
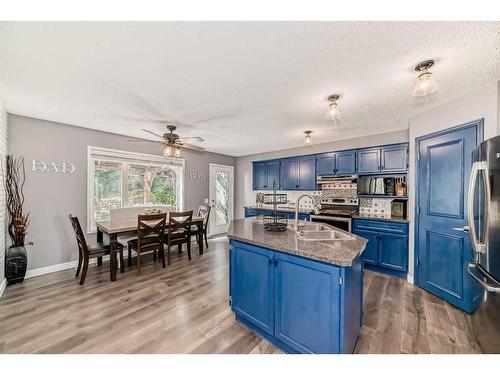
(15, 178)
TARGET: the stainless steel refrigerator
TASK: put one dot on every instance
(484, 228)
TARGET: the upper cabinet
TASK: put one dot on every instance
(336, 163)
(265, 173)
(394, 158)
(386, 159)
(298, 173)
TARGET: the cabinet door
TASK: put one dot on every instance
(394, 158)
(252, 289)
(369, 160)
(289, 174)
(325, 165)
(370, 255)
(259, 176)
(307, 304)
(273, 174)
(393, 251)
(307, 173)
(345, 163)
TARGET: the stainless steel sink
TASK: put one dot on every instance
(323, 233)
(314, 227)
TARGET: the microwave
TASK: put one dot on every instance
(376, 185)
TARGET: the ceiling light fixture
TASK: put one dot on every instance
(333, 112)
(308, 139)
(425, 83)
(172, 150)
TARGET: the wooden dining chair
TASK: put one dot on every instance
(203, 211)
(150, 237)
(86, 252)
(179, 231)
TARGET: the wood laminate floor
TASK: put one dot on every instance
(184, 309)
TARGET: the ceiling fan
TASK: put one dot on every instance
(172, 141)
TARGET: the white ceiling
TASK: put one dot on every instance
(246, 87)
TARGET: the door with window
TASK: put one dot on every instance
(221, 198)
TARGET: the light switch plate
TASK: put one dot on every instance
(206, 200)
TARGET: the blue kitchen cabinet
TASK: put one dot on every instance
(325, 164)
(369, 160)
(316, 307)
(370, 255)
(298, 173)
(387, 247)
(307, 302)
(393, 251)
(252, 285)
(336, 163)
(345, 163)
(307, 173)
(251, 212)
(289, 174)
(394, 159)
(265, 174)
(384, 159)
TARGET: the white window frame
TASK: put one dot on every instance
(121, 155)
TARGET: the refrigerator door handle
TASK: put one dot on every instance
(490, 288)
(477, 246)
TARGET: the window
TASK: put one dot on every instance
(125, 179)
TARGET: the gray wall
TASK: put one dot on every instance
(51, 197)
(243, 172)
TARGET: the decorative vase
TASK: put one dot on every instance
(16, 262)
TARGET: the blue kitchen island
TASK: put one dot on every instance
(302, 295)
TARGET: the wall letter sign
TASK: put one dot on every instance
(55, 167)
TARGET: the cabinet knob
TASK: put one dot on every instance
(270, 261)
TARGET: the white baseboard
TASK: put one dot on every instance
(409, 278)
(2, 286)
(49, 269)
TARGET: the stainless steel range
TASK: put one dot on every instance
(339, 202)
(337, 212)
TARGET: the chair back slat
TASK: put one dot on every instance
(180, 221)
(151, 229)
(80, 238)
(206, 218)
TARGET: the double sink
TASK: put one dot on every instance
(320, 232)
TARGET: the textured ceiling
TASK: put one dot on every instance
(245, 87)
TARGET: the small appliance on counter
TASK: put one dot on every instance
(380, 186)
(398, 209)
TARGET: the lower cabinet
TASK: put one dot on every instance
(300, 305)
(251, 212)
(387, 247)
(252, 286)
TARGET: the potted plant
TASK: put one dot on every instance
(16, 260)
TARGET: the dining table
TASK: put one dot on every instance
(126, 227)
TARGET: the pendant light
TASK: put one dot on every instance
(308, 138)
(333, 112)
(425, 83)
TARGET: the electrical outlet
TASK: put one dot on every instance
(206, 200)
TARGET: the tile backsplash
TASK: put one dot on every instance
(375, 207)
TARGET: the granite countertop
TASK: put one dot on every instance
(283, 209)
(392, 219)
(338, 252)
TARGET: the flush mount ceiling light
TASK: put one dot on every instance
(308, 139)
(333, 112)
(425, 83)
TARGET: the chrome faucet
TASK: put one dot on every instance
(317, 207)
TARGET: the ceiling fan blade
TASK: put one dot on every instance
(191, 147)
(192, 139)
(143, 141)
(153, 133)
